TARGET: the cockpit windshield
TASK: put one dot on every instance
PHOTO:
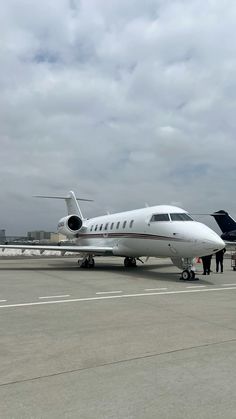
(180, 217)
(160, 217)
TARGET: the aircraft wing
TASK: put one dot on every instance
(95, 250)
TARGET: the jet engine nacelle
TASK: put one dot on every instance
(70, 225)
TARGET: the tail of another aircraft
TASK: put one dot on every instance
(224, 221)
(73, 207)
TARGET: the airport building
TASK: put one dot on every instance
(38, 235)
(45, 236)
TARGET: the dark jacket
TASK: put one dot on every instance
(220, 254)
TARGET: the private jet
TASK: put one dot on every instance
(157, 231)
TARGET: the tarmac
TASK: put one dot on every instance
(118, 343)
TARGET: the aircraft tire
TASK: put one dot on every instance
(126, 262)
(186, 275)
(130, 262)
(84, 264)
(91, 263)
(133, 263)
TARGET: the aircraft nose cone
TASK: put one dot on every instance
(217, 243)
(212, 242)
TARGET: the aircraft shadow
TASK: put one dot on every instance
(152, 272)
(149, 271)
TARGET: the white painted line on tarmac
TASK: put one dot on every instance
(227, 285)
(3, 301)
(54, 296)
(108, 292)
(110, 297)
(197, 286)
(155, 289)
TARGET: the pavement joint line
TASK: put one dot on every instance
(155, 289)
(3, 301)
(109, 297)
(197, 286)
(119, 361)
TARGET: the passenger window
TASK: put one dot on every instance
(118, 225)
(91, 228)
(106, 226)
(100, 227)
(96, 227)
(112, 225)
(124, 224)
(131, 223)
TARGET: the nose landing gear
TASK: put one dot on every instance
(188, 275)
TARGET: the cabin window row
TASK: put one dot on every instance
(113, 225)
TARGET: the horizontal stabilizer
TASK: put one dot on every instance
(71, 202)
(63, 197)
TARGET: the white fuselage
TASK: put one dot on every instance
(137, 233)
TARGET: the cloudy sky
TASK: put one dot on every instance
(125, 102)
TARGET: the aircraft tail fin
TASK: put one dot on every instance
(224, 221)
(71, 203)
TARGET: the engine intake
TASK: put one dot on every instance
(70, 225)
(74, 223)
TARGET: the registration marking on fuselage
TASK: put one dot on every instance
(110, 297)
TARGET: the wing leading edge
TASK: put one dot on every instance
(95, 250)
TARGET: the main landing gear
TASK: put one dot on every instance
(87, 262)
(130, 262)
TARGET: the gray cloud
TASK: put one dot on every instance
(124, 102)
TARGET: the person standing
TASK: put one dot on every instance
(220, 259)
(206, 262)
